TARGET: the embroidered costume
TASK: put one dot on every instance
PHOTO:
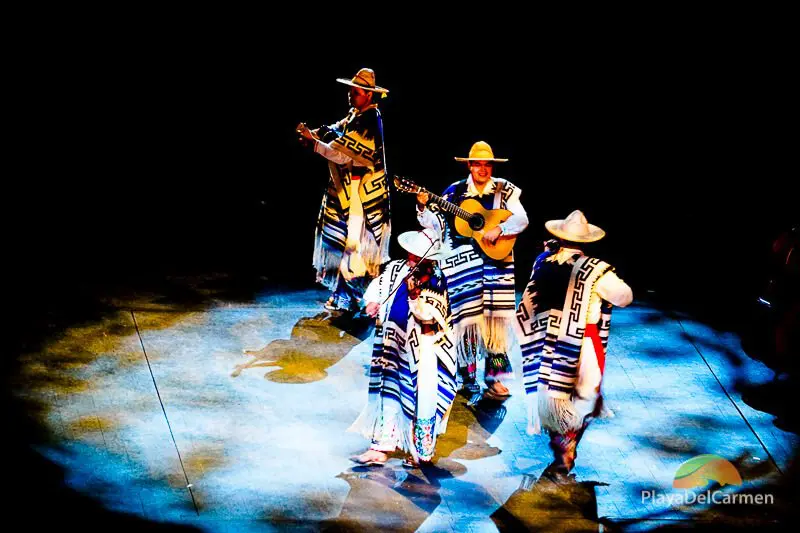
(353, 227)
(481, 289)
(563, 323)
(413, 369)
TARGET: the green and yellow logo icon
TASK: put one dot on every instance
(699, 471)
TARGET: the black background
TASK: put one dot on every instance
(145, 153)
(163, 156)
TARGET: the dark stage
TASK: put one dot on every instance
(170, 362)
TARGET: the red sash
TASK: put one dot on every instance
(593, 332)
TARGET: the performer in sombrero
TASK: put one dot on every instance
(481, 289)
(413, 371)
(353, 228)
(563, 323)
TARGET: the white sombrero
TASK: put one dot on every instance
(575, 228)
(423, 243)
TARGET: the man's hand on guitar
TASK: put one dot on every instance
(492, 235)
(493, 243)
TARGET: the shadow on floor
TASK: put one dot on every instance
(316, 343)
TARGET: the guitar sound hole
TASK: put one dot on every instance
(477, 222)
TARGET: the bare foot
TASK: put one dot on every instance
(371, 457)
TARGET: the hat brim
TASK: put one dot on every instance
(468, 159)
(375, 89)
(410, 243)
(555, 227)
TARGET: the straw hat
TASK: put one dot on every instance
(364, 79)
(575, 228)
(481, 151)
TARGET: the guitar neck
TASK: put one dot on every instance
(449, 207)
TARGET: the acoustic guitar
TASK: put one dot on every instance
(472, 219)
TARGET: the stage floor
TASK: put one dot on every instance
(231, 414)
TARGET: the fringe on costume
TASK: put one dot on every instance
(326, 261)
(480, 335)
(469, 343)
(558, 414)
(386, 237)
(372, 253)
(562, 415)
(368, 421)
(496, 332)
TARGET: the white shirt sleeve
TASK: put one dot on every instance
(331, 154)
(518, 221)
(612, 289)
(428, 219)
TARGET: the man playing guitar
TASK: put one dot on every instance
(480, 289)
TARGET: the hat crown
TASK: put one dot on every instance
(481, 150)
(365, 77)
(429, 238)
(421, 243)
(575, 228)
(576, 223)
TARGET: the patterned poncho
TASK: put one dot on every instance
(360, 137)
(481, 289)
(396, 354)
(552, 328)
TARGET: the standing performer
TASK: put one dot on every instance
(353, 228)
(564, 319)
(481, 289)
(413, 372)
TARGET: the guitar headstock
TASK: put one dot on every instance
(406, 185)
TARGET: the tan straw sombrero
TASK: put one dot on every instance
(364, 79)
